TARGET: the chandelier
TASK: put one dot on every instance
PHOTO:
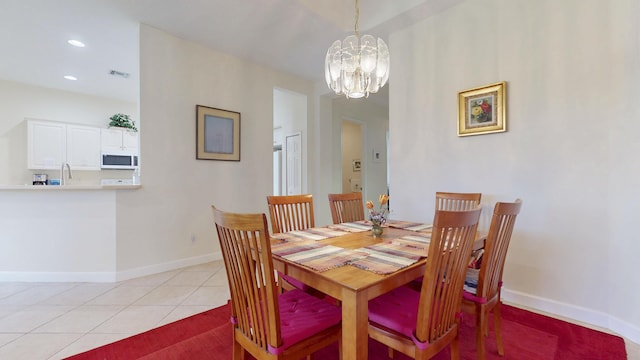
(358, 65)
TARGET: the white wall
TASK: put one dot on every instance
(156, 224)
(324, 166)
(20, 101)
(65, 235)
(572, 72)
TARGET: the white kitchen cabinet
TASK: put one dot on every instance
(51, 144)
(118, 140)
(46, 144)
(83, 147)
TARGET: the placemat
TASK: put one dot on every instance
(419, 240)
(388, 257)
(408, 225)
(351, 226)
(318, 233)
(313, 255)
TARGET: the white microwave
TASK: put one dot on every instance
(119, 161)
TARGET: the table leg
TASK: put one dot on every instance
(355, 310)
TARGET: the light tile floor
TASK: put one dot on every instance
(42, 321)
(46, 321)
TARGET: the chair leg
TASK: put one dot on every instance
(390, 352)
(498, 328)
(481, 326)
(238, 351)
(279, 285)
(486, 323)
(455, 349)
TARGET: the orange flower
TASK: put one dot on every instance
(379, 216)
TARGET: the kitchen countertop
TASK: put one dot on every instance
(69, 187)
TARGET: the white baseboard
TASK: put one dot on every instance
(579, 314)
(40, 276)
(105, 277)
(168, 266)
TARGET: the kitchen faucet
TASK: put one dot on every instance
(62, 179)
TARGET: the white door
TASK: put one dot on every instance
(294, 164)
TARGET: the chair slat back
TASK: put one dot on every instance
(496, 246)
(245, 245)
(290, 212)
(346, 207)
(451, 243)
(457, 201)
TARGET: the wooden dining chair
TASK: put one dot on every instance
(268, 324)
(457, 201)
(421, 323)
(486, 296)
(452, 201)
(290, 212)
(346, 207)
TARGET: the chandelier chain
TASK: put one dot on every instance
(357, 18)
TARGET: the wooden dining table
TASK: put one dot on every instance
(354, 287)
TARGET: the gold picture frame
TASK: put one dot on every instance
(482, 110)
(217, 134)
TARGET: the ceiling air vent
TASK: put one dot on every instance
(119, 73)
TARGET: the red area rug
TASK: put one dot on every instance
(527, 336)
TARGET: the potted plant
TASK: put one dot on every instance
(122, 120)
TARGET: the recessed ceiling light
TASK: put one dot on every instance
(77, 43)
(69, 77)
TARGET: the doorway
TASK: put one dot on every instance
(289, 142)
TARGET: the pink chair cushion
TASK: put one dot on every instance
(471, 296)
(296, 283)
(303, 315)
(396, 310)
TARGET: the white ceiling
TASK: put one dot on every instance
(288, 35)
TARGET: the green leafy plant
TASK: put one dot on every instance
(123, 120)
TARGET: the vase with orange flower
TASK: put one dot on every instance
(378, 216)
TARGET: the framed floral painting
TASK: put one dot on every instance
(482, 110)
